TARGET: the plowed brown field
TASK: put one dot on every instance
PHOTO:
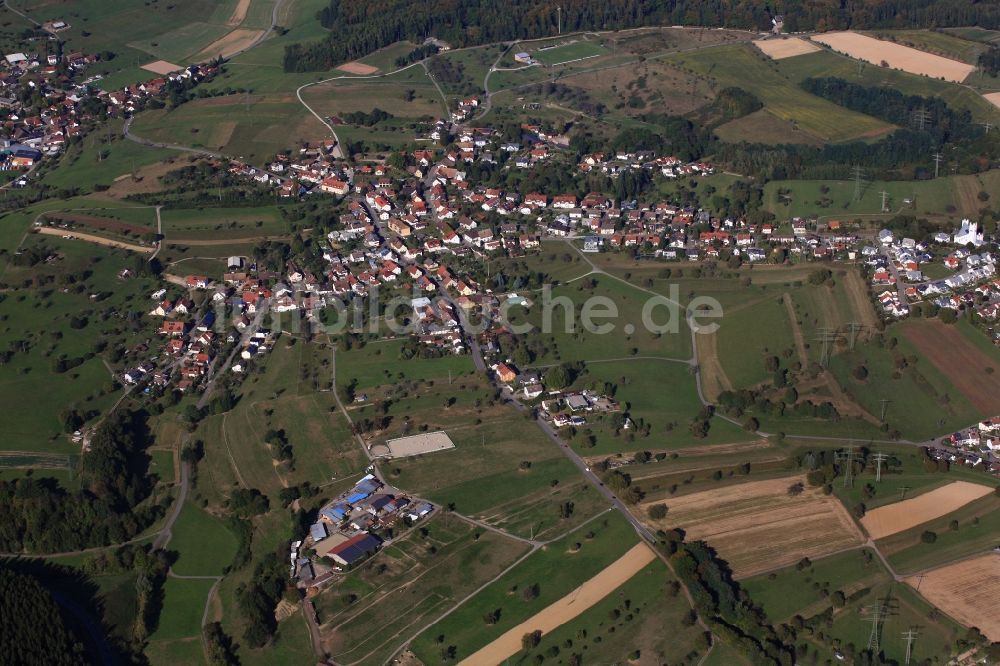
(758, 526)
(960, 361)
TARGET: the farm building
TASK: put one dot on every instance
(355, 548)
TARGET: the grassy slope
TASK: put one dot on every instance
(205, 544)
(743, 67)
(547, 568)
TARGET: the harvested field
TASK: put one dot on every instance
(49, 231)
(778, 49)
(414, 445)
(959, 360)
(758, 526)
(993, 98)
(161, 67)
(900, 516)
(567, 608)
(359, 68)
(895, 56)
(239, 13)
(236, 41)
(967, 591)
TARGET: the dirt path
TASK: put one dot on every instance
(861, 303)
(49, 231)
(223, 241)
(567, 608)
(800, 343)
(713, 376)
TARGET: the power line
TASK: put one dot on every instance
(826, 336)
(875, 618)
(879, 459)
(854, 328)
(847, 458)
(937, 163)
(885, 404)
(859, 180)
(909, 636)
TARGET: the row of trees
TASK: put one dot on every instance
(357, 29)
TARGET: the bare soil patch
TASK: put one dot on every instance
(993, 98)
(415, 445)
(239, 13)
(959, 360)
(788, 47)
(49, 231)
(758, 526)
(161, 67)
(967, 591)
(101, 223)
(358, 68)
(901, 516)
(573, 604)
(227, 45)
(147, 180)
(896, 56)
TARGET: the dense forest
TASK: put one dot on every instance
(34, 631)
(39, 515)
(358, 28)
(929, 114)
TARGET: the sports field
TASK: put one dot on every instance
(415, 445)
(577, 50)
(896, 56)
(759, 526)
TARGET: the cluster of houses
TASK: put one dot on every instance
(621, 161)
(30, 133)
(193, 334)
(350, 528)
(896, 265)
(570, 409)
(976, 446)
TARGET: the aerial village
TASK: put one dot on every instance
(407, 227)
(71, 103)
